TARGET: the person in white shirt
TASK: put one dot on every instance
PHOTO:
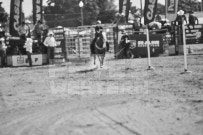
(50, 43)
(28, 47)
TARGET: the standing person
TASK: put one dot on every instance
(28, 47)
(23, 31)
(3, 48)
(181, 17)
(158, 17)
(192, 20)
(126, 45)
(38, 31)
(50, 42)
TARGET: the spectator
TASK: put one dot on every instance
(38, 31)
(3, 48)
(181, 17)
(23, 31)
(124, 42)
(136, 25)
(50, 42)
(28, 47)
(158, 18)
(192, 20)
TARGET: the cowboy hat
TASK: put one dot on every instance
(181, 12)
(98, 22)
(50, 33)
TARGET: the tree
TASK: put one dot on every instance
(107, 11)
(68, 13)
(188, 5)
(3, 15)
(160, 9)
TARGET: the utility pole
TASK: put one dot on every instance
(202, 6)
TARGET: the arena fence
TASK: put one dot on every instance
(194, 39)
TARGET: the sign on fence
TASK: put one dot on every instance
(139, 45)
(194, 35)
(60, 50)
(17, 60)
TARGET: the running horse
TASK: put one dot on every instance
(98, 46)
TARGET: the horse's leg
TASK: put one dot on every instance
(94, 55)
(100, 60)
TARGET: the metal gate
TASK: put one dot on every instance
(78, 40)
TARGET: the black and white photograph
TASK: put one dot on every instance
(101, 67)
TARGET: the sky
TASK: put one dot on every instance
(27, 5)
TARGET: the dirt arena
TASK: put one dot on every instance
(123, 99)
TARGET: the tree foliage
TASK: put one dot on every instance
(188, 5)
(185, 5)
(3, 16)
(67, 13)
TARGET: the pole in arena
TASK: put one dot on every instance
(185, 51)
(149, 15)
(148, 51)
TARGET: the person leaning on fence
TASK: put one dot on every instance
(28, 47)
(192, 20)
(50, 43)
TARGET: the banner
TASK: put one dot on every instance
(37, 10)
(149, 11)
(60, 50)
(124, 7)
(17, 60)
(171, 9)
(139, 45)
(15, 16)
(121, 6)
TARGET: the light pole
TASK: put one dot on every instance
(81, 4)
(202, 6)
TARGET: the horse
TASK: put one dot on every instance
(99, 47)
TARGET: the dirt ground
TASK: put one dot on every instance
(122, 99)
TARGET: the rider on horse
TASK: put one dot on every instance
(98, 46)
